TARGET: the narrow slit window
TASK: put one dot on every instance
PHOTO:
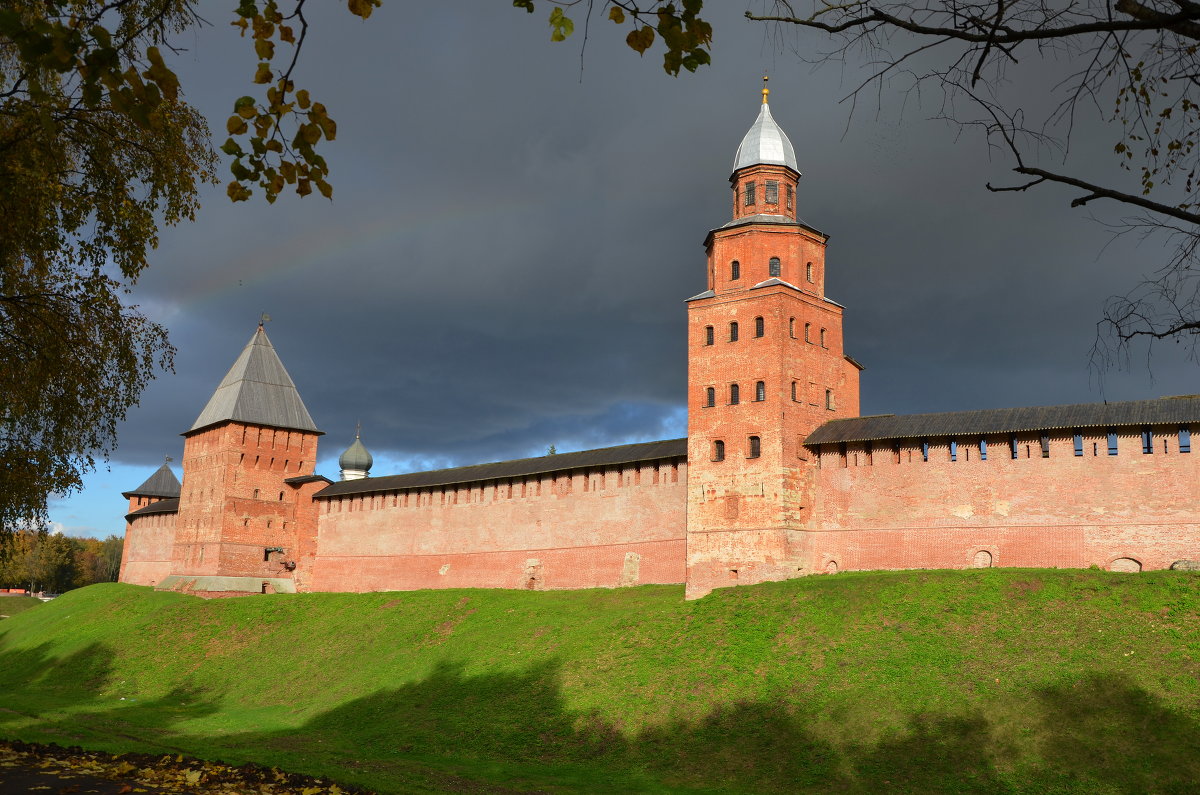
(755, 447)
(734, 395)
(829, 399)
(953, 449)
(823, 338)
(1185, 439)
(1012, 445)
(808, 272)
(1045, 440)
(773, 267)
(771, 194)
(982, 449)
(792, 327)
(1147, 441)
(791, 197)
(808, 332)
(718, 450)
(760, 391)
(735, 271)
(733, 332)
(750, 194)
(709, 335)
(710, 396)
(760, 326)
(794, 397)
(1112, 442)
(1078, 444)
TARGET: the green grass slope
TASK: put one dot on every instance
(11, 605)
(947, 681)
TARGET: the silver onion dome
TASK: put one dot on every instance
(356, 457)
(765, 143)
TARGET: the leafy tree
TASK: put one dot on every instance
(1133, 73)
(98, 149)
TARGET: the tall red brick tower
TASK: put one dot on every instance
(245, 511)
(765, 368)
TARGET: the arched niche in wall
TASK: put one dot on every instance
(982, 560)
(1125, 565)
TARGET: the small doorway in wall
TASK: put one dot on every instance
(533, 575)
(982, 560)
(831, 567)
(1127, 565)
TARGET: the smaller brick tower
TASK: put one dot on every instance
(765, 368)
(246, 520)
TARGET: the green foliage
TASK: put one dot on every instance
(56, 563)
(685, 36)
(949, 681)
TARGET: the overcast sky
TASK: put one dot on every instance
(504, 263)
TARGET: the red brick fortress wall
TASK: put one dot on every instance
(149, 541)
(881, 508)
(610, 527)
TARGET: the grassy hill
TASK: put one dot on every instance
(11, 605)
(952, 681)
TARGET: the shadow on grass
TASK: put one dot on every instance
(453, 731)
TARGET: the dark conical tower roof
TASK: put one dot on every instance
(257, 390)
(162, 483)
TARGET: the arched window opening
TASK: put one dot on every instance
(760, 326)
(710, 396)
(808, 332)
(760, 390)
(733, 332)
(793, 390)
(735, 271)
(829, 399)
(750, 194)
(734, 395)
(755, 447)
(718, 450)
(823, 338)
(792, 327)
(808, 272)
(773, 267)
(708, 335)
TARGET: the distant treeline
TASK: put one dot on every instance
(55, 563)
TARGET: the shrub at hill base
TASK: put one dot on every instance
(947, 681)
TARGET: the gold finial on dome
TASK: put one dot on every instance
(765, 89)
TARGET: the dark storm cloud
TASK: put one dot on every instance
(505, 261)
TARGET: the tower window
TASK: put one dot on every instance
(735, 396)
(829, 399)
(735, 271)
(760, 390)
(1078, 444)
(1185, 439)
(710, 396)
(733, 331)
(759, 326)
(749, 193)
(773, 268)
(708, 335)
(822, 338)
(1147, 441)
(718, 450)
(808, 332)
(772, 192)
(808, 272)
(793, 390)
(1112, 442)
(790, 196)
(755, 447)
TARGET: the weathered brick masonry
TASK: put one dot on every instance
(779, 475)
